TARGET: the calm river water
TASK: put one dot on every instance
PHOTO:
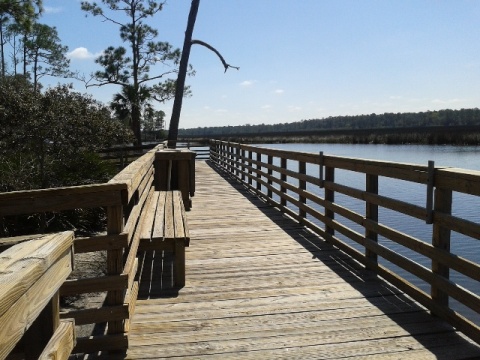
(467, 157)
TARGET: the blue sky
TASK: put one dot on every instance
(303, 59)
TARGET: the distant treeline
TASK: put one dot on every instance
(442, 126)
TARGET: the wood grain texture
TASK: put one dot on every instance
(260, 286)
(23, 264)
(61, 344)
(21, 314)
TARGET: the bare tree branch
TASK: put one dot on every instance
(210, 47)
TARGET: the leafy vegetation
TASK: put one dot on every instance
(22, 12)
(50, 139)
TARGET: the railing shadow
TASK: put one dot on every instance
(384, 296)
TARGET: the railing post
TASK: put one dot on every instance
(320, 168)
(270, 173)
(225, 156)
(441, 240)
(283, 177)
(216, 151)
(232, 159)
(229, 158)
(302, 185)
(115, 264)
(371, 213)
(429, 205)
(42, 329)
(259, 167)
(329, 197)
(243, 164)
(219, 153)
(250, 164)
(237, 159)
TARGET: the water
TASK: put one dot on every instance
(464, 206)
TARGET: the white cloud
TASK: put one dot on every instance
(279, 91)
(81, 53)
(52, 10)
(293, 108)
(247, 83)
(266, 107)
(449, 101)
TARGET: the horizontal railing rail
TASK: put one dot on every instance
(348, 214)
(121, 156)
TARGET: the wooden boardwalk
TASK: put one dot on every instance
(259, 286)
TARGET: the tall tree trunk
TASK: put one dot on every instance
(182, 74)
(2, 44)
(136, 123)
(25, 56)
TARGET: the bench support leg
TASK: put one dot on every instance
(179, 267)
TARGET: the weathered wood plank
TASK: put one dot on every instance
(99, 243)
(21, 314)
(22, 265)
(57, 199)
(169, 230)
(62, 343)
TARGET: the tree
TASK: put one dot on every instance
(45, 53)
(122, 102)
(23, 13)
(153, 125)
(182, 72)
(131, 68)
(4, 22)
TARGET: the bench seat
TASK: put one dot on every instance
(164, 228)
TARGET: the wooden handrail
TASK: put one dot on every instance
(31, 272)
(280, 178)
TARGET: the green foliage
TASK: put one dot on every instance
(45, 54)
(50, 139)
(23, 12)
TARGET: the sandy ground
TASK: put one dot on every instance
(87, 265)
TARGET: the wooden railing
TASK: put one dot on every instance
(123, 197)
(310, 197)
(31, 272)
(124, 155)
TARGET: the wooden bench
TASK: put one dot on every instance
(164, 227)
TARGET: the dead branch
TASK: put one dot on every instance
(210, 47)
